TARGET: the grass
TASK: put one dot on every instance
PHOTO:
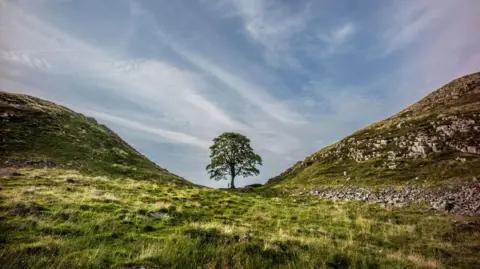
(435, 170)
(100, 222)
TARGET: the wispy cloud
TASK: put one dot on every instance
(251, 92)
(338, 35)
(335, 40)
(25, 58)
(170, 136)
(410, 20)
(270, 24)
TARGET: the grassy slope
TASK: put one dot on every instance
(40, 130)
(102, 219)
(97, 223)
(326, 167)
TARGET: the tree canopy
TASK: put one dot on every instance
(231, 155)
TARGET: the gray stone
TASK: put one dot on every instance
(244, 238)
(159, 215)
(462, 199)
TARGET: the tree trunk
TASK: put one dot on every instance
(232, 175)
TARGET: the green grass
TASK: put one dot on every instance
(435, 170)
(98, 222)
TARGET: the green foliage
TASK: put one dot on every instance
(231, 155)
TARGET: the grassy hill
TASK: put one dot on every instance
(36, 132)
(432, 142)
(74, 195)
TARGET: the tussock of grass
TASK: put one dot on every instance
(417, 260)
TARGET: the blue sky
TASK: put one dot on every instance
(294, 76)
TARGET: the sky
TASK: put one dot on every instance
(293, 76)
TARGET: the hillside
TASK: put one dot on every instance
(74, 195)
(433, 142)
(36, 132)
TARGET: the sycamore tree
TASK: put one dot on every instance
(231, 155)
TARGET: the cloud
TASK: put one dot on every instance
(26, 59)
(254, 94)
(270, 24)
(411, 20)
(338, 35)
(335, 40)
(173, 137)
(440, 43)
(251, 92)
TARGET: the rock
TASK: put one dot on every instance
(159, 215)
(392, 166)
(5, 117)
(459, 199)
(17, 163)
(443, 205)
(449, 205)
(69, 180)
(244, 238)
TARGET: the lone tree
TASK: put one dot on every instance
(231, 154)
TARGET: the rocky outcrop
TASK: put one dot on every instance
(18, 163)
(461, 199)
(455, 133)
